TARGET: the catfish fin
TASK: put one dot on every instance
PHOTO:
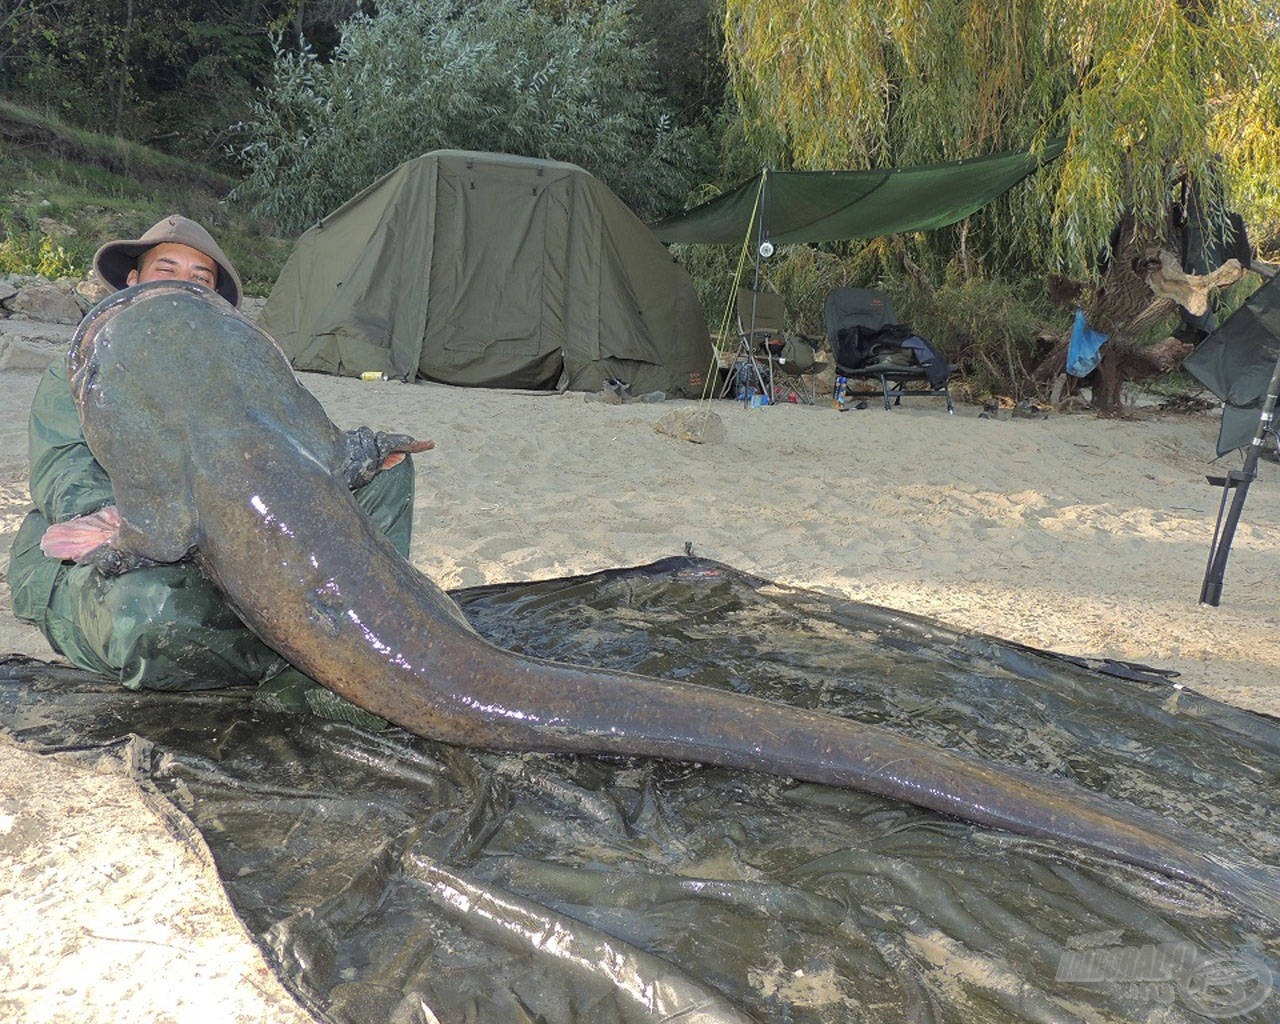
(159, 524)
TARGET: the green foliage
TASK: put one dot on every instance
(173, 72)
(805, 275)
(80, 189)
(715, 271)
(36, 254)
(994, 330)
(1146, 93)
(119, 167)
(685, 42)
(509, 76)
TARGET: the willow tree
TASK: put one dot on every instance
(1150, 94)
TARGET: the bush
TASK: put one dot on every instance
(36, 253)
(994, 332)
(509, 76)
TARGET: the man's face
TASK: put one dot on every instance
(173, 261)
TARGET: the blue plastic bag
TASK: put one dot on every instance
(1083, 349)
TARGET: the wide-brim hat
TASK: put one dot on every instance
(115, 259)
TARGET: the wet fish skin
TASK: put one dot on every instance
(246, 477)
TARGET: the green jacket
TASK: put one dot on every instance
(66, 481)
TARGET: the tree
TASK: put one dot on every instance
(566, 82)
(1149, 93)
(150, 70)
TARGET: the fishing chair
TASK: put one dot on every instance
(778, 360)
(870, 345)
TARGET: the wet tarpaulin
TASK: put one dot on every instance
(383, 873)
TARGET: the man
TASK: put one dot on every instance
(166, 626)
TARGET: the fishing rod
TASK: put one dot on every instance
(1237, 480)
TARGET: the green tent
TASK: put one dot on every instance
(1236, 361)
(484, 269)
(824, 206)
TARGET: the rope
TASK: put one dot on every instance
(712, 377)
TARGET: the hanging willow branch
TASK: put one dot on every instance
(1146, 90)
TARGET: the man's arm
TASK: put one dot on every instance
(66, 480)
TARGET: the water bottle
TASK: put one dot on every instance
(842, 386)
(744, 389)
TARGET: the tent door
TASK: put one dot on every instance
(498, 279)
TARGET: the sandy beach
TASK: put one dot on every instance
(1072, 533)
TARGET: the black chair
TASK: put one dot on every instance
(869, 344)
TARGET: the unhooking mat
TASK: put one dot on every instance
(392, 879)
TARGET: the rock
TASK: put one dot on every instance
(55, 228)
(21, 354)
(701, 426)
(251, 306)
(92, 290)
(56, 336)
(43, 300)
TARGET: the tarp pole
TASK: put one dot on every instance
(1211, 590)
(729, 317)
(761, 235)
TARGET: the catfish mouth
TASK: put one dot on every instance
(82, 371)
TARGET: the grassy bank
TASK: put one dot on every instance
(68, 190)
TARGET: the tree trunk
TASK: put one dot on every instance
(1120, 296)
(1108, 383)
(122, 77)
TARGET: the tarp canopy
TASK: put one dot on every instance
(491, 270)
(388, 878)
(1236, 361)
(824, 206)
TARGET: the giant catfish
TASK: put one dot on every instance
(218, 453)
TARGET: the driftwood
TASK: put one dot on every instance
(1141, 285)
(1166, 278)
(1137, 362)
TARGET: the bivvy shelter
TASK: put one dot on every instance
(1236, 360)
(485, 269)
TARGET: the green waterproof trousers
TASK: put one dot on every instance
(165, 627)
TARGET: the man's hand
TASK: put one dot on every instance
(77, 538)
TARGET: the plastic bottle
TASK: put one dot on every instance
(743, 390)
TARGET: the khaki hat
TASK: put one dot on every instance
(115, 259)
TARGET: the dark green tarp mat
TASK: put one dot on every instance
(383, 873)
(1236, 361)
(490, 270)
(825, 206)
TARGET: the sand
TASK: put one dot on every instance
(1073, 533)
